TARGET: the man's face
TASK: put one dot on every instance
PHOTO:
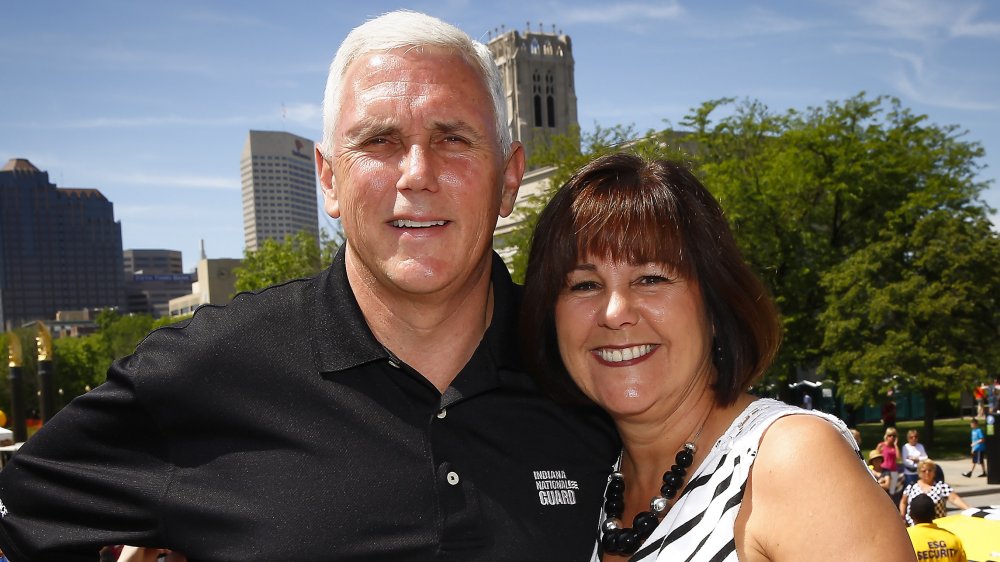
(417, 176)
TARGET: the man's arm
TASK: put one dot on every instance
(90, 477)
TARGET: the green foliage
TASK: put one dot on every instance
(863, 219)
(918, 308)
(295, 257)
(80, 363)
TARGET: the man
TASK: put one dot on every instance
(931, 542)
(376, 412)
(977, 447)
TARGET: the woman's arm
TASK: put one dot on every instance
(839, 514)
(903, 502)
(957, 500)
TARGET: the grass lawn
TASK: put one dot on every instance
(951, 437)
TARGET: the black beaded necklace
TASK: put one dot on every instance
(618, 540)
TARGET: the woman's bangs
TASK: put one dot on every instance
(632, 230)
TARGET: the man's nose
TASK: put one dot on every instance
(415, 169)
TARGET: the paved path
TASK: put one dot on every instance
(966, 486)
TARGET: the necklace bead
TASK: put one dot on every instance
(618, 540)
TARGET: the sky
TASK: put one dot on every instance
(151, 102)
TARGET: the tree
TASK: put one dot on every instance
(567, 153)
(806, 190)
(917, 309)
(295, 257)
(80, 364)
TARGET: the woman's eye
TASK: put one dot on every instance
(583, 286)
(652, 280)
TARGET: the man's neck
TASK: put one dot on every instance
(435, 334)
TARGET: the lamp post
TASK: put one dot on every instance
(46, 382)
(15, 361)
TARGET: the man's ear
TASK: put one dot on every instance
(327, 184)
(513, 172)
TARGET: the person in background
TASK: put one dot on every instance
(980, 395)
(912, 453)
(888, 411)
(890, 450)
(400, 423)
(977, 447)
(890, 480)
(638, 299)
(940, 492)
(931, 542)
(857, 437)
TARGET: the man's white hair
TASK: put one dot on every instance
(405, 29)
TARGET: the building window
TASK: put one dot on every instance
(551, 109)
(534, 47)
(538, 110)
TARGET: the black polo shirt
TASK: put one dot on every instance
(277, 428)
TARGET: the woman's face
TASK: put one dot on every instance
(926, 474)
(890, 438)
(634, 337)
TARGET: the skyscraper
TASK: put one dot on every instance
(279, 187)
(152, 278)
(60, 248)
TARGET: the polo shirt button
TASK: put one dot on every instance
(453, 478)
(393, 364)
(442, 413)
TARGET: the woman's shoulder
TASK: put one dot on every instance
(762, 415)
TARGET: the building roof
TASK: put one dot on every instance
(81, 192)
(19, 165)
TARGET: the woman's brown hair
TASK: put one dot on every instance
(625, 208)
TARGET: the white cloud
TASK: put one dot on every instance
(230, 18)
(951, 99)
(617, 13)
(304, 113)
(912, 19)
(757, 23)
(927, 19)
(915, 61)
(967, 26)
(150, 121)
(174, 180)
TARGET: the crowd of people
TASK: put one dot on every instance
(917, 485)
(426, 409)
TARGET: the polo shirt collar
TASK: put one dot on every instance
(343, 340)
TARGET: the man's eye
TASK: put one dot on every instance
(454, 141)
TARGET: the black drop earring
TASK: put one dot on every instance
(718, 355)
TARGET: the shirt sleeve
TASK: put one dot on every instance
(91, 476)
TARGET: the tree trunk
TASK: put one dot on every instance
(927, 438)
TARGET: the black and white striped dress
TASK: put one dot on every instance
(699, 526)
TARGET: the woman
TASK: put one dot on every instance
(890, 450)
(913, 452)
(638, 300)
(940, 492)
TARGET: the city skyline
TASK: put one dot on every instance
(151, 103)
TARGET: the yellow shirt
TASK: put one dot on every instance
(931, 542)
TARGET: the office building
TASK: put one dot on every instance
(216, 284)
(279, 187)
(152, 278)
(60, 248)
